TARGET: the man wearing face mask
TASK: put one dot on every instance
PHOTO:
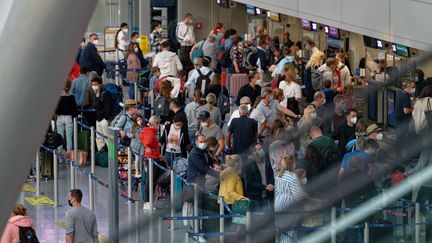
(243, 131)
(104, 110)
(259, 180)
(186, 37)
(208, 129)
(198, 167)
(374, 132)
(90, 58)
(346, 132)
(81, 224)
(253, 113)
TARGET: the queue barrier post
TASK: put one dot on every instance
(136, 92)
(137, 222)
(92, 168)
(366, 233)
(75, 152)
(160, 224)
(55, 167)
(417, 223)
(172, 197)
(333, 224)
(117, 73)
(248, 227)
(38, 173)
(129, 153)
(151, 185)
(195, 211)
(221, 220)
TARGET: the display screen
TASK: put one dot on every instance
(394, 48)
(335, 43)
(223, 3)
(257, 11)
(402, 50)
(370, 42)
(306, 24)
(379, 44)
(314, 26)
(250, 9)
(273, 16)
(333, 32)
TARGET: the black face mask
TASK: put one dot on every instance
(69, 202)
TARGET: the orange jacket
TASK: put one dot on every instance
(151, 144)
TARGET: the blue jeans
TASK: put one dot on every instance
(171, 157)
(65, 129)
(131, 91)
(192, 137)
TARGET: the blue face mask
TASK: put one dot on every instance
(413, 90)
(202, 146)
(261, 153)
(314, 115)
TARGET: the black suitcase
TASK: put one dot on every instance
(47, 164)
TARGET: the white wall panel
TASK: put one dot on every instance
(411, 20)
(368, 14)
(323, 9)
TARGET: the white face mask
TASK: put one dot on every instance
(380, 136)
(324, 102)
(204, 124)
(353, 120)
(126, 30)
(249, 106)
(202, 146)
(303, 181)
(314, 115)
(95, 88)
(177, 127)
(95, 42)
(191, 21)
(136, 49)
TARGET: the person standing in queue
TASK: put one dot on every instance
(90, 58)
(81, 224)
(186, 37)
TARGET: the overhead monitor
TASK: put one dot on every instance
(394, 48)
(258, 11)
(314, 26)
(274, 16)
(369, 42)
(402, 50)
(326, 29)
(379, 44)
(223, 3)
(250, 9)
(333, 32)
(306, 24)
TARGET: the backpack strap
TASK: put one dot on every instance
(250, 112)
(208, 74)
(199, 72)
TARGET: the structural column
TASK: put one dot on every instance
(144, 17)
(124, 11)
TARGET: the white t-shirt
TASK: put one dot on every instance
(173, 143)
(291, 90)
(256, 115)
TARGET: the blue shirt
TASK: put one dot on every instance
(79, 87)
(281, 65)
(366, 158)
(228, 43)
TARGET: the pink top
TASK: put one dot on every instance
(132, 63)
(11, 232)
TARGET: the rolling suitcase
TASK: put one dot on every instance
(46, 164)
(84, 140)
(236, 82)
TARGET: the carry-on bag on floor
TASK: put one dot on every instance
(46, 164)
(236, 82)
(84, 140)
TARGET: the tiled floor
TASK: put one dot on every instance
(46, 217)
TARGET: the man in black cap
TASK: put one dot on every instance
(208, 129)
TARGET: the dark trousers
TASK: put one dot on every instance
(185, 58)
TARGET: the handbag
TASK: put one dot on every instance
(240, 207)
(125, 141)
(53, 140)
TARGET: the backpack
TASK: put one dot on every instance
(116, 96)
(161, 106)
(223, 102)
(198, 52)
(226, 61)
(317, 78)
(203, 82)
(180, 167)
(250, 58)
(329, 156)
(27, 235)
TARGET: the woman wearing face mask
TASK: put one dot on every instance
(231, 186)
(121, 40)
(136, 145)
(133, 65)
(156, 38)
(125, 122)
(212, 146)
(215, 113)
(173, 140)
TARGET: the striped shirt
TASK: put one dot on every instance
(288, 190)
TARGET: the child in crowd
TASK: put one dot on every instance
(212, 183)
(301, 174)
(155, 76)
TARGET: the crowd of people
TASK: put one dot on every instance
(291, 142)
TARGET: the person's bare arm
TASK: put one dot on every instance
(69, 238)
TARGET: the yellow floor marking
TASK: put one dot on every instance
(62, 224)
(28, 188)
(43, 200)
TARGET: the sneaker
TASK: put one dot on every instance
(201, 239)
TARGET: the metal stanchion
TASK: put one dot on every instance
(37, 173)
(366, 233)
(137, 222)
(55, 165)
(160, 224)
(75, 152)
(92, 168)
(248, 227)
(117, 73)
(172, 197)
(333, 223)
(221, 220)
(417, 223)
(129, 152)
(136, 92)
(151, 186)
(195, 212)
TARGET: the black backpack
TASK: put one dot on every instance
(223, 102)
(250, 58)
(27, 235)
(226, 61)
(329, 155)
(116, 96)
(203, 82)
(161, 106)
